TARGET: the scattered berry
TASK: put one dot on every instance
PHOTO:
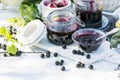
(63, 68)
(57, 63)
(18, 53)
(4, 47)
(88, 56)
(14, 31)
(61, 62)
(91, 67)
(55, 54)
(48, 54)
(80, 65)
(42, 56)
(11, 32)
(64, 46)
(79, 52)
(74, 52)
(5, 55)
(82, 53)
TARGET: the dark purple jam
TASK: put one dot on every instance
(88, 42)
(92, 19)
(60, 38)
(61, 27)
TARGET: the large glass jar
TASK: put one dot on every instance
(90, 12)
(60, 26)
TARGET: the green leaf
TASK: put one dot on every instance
(29, 11)
(31, 1)
(18, 21)
(4, 32)
(12, 49)
(115, 40)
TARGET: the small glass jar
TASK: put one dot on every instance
(60, 26)
(90, 12)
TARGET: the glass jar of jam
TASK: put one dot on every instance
(60, 26)
(90, 12)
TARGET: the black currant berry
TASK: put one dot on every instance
(63, 68)
(57, 63)
(48, 54)
(55, 54)
(18, 53)
(80, 65)
(4, 47)
(91, 67)
(5, 55)
(88, 56)
(74, 51)
(61, 62)
(82, 53)
(64, 46)
(79, 52)
(42, 56)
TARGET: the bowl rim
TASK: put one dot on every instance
(43, 5)
(90, 29)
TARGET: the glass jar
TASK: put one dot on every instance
(90, 12)
(60, 26)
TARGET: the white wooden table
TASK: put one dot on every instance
(30, 66)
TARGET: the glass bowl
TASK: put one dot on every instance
(86, 39)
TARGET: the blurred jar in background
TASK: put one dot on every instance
(90, 12)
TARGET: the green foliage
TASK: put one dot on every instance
(115, 40)
(12, 49)
(72, 0)
(19, 21)
(4, 32)
(29, 10)
(31, 1)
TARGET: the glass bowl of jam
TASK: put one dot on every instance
(60, 26)
(87, 39)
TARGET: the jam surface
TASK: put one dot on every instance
(88, 42)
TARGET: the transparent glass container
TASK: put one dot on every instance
(90, 12)
(60, 26)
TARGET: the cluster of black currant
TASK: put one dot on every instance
(60, 63)
(3, 46)
(80, 64)
(48, 54)
(10, 31)
(78, 52)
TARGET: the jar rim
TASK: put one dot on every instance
(62, 13)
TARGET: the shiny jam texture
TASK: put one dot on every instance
(88, 42)
(61, 34)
